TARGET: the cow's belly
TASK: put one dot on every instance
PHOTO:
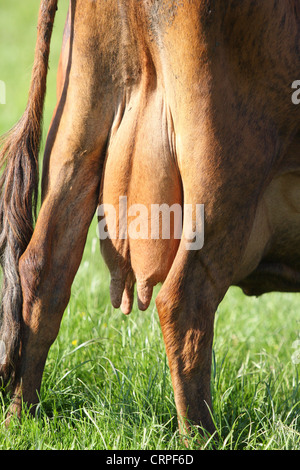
(272, 258)
(140, 169)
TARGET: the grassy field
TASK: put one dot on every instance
(106, 383)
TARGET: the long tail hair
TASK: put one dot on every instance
(18, 193)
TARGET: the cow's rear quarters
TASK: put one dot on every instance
(179, 123)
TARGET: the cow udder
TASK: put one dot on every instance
(140, 169)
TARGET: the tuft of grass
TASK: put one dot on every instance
(107, 383)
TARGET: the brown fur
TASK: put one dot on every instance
(166, 101)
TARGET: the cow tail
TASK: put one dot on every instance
(19, 182)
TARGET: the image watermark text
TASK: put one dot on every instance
(157, 221)
(2, 92)
(2, 352)
(296, 94)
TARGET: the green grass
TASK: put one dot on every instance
(107, 383)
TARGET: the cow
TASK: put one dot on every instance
(175, 102)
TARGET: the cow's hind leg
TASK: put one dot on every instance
(49, 264)
(186, 305)
(72, 168)
(199, 278)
